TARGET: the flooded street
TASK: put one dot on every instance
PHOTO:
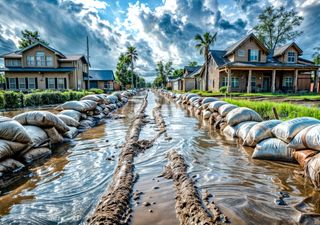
(66, 189)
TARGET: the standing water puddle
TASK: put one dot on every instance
(68, 186)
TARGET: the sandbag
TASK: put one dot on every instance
(303, 156)
(191, 96)
(54, 136)
(214, 106)
(72, 133)
(35, 154)
(308, 138)
(98, 110)
(208, 100)
(80, 106)
(229, 131)
(206, 114)
(86, 124)
(242, 114)
(42, 119)
(313, 170)
(12, 130)
(242, 129)
(287, 130)
(94, 98)
(71, 113)
(9, 148)
(38, 135)
(69, 120)
(225, 109)
(9, 166)
(112, 99)
(204, 106)
(259, 132)
(273, 149)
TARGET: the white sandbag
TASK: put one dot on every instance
(242, 114)
(71, 113)
(54, 136)
(206, 114)
(225, 109)
(106, 111)
(244, 128)
(229, 131)
(208, 100)
(9, 148)
(113, 99)
(13, 131)
(290, 128)
(308, 138)
(98, 110)
(80, 106)
(9, 166)
(313, 170)
(214, 106)
(38, 135)
(72, 133)
(42, 119)
(259, 132)
(68, 120)
(204, 106)
(273, 149)
(191, 96)
(35, 154)
(86, 124)
(95, 98)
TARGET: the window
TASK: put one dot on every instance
(60, 82)
(241, 53)
(224, 81)
(235, 82)
(51, 83)
(12, 83)
(40, 58)
(32, 83)
(49, 60)
(253, 81)
(13, 62)
(30, 60)
(288, 82)
(108, 85)
(254, 55)
(22, 83)
(291, 57)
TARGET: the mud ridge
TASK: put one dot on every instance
(114, 207)
(190, 207)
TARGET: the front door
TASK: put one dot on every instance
(266, 84)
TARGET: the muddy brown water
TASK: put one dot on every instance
(67, 187)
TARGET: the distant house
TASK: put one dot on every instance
(103, 79)
(189, 79)
(42, 67)
(247, 66)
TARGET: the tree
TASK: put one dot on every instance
(192, 63)
(177, 73)
(316, 56)
(122, 73)
(132, 55)
(164, 70)
(203, 46)
(29, 38)
(277, 26)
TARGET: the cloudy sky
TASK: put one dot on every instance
(160, 29)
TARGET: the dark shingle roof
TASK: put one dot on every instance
(282, 49)
(103, 75)
(218, 57)
(191, 70)
(195, 72)
(43, 45)
(38, 69)
(268, 64)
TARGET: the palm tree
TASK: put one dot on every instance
(132, 55)
(203, 46)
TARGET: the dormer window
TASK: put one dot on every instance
(291, 57)
(30, 60)
(241, 53)
(40, 59)
(254, 55)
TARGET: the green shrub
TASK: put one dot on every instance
(223, 89)
(33, 99)
(13, 99)
(1, 101)
(97, 91)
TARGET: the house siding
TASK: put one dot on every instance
(249, 44)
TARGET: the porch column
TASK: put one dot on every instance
(316, 81)
(295, 80)
(273, 84)
(249, 82)
(229, 81)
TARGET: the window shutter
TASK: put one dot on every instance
(17, 83)
(27, 83)
(65, 83)
(249, 55)
(47, 83)
(7, 82)
(55, 83)
(36, 81)
(259, 56)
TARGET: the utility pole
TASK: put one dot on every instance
(88, 63)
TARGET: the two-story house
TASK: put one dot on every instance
(39, 66)
(247, 66)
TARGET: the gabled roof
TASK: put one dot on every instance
(190, 70)
(195, 72)
(231, 49)
(218, 57)
(100, 75)
(43, 45)
(281, 50)
(69, 58)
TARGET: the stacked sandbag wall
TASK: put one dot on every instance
(295, 140)
(29, 136)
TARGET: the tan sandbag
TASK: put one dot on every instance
(229, 131)
(259, 132)
(9, 166)
(71, 113)
(38, 136)
(72, 133)
(54, 136)
(106, 111)
(273, 149)
(225, 109)
(206, 114)
(303, 156)
(214, 106)
(287, 130)
(308, 138)
(35, 154)
(9, 148)
(80, 106)
(68, 120)
(204, 106)
(42, 119)
(242, 129)
(12, 130)
(242, 114)
(313, 170)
